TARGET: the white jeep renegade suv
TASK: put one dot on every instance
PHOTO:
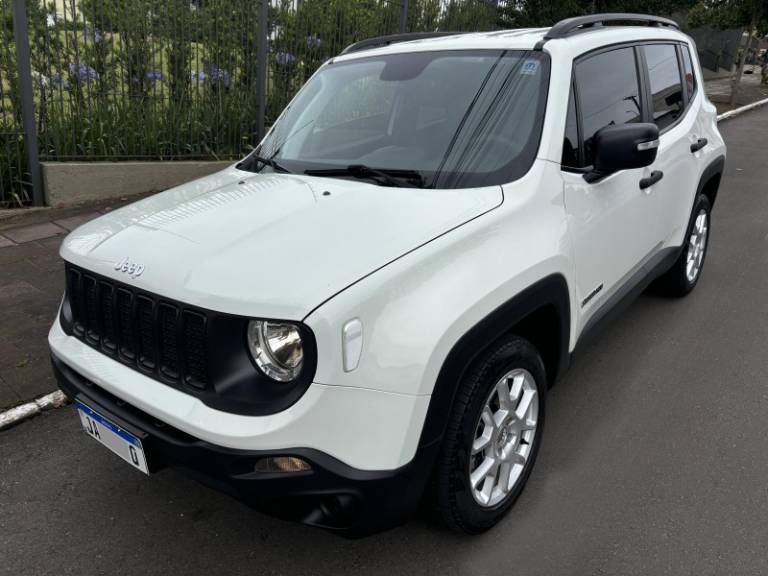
(370, 308)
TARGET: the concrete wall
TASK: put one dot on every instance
(69, 183)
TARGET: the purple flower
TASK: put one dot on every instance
(284, 58)
(92, 35)
(197, 75)
(82, 72)
(154, 75)
(313, 41)
(59, 81)
(216, 74)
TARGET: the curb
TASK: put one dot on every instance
(738, 111)
(19, 413)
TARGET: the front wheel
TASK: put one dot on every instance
(493, 436)
(686, 271)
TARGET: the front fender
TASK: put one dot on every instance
(415, 309)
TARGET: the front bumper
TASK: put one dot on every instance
(331, 495)
(344, 422)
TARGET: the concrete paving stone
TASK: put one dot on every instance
(45, 274)
(46, 263)
(5, 242)
(52, 287)
(74, 221)
(20, 252)
(30, 379)
(14, 290)
(19, 317)
(8, 395)
(34, 232)
(24, 320)
(9, 353)
(52, 244)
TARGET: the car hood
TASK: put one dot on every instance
(271, 245)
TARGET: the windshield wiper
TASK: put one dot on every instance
(397, 178)
(267, 161)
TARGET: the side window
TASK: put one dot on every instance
(609, 93)
(690, 75)
(666, 85)
(571, 139)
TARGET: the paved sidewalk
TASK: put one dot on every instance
(31, 286)
(751, 90)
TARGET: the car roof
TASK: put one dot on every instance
(527, 39)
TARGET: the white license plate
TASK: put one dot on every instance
(109, 434)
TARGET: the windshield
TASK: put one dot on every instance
(451, 119)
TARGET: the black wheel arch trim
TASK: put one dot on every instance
(549, 291)
(714, 169)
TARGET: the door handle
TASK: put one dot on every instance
(698, 145)
(655, 176)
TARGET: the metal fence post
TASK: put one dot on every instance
(403, 15)
(261, 59)
(24, 70)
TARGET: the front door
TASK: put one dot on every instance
(613, 222)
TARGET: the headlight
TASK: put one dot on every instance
(276, 348)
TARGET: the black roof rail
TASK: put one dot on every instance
(380, 41)
(570, 26)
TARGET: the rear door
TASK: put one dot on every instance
(613, 223)
(671, 87)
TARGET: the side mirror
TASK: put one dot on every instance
(622, 148)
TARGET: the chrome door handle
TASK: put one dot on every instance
(655, 176)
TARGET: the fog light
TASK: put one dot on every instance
(282, 464)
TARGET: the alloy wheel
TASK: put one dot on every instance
(697, 244)
(504, 437)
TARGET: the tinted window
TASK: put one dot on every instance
(690, 77)
(459, 118)
(666, 86)
(366, 97)
(609, 93)
(571, 139)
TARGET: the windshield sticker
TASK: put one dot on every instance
(530, 67)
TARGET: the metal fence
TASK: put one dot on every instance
(14, 174)
(718, 49)
(173, 79)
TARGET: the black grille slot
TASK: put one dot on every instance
(145, 320)
(168, 321)
(74, 296)
(125, 325)
(196, 349)
(108, 323)
(91, 308)
(144, 331)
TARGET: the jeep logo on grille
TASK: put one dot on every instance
(131, 268)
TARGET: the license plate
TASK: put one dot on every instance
(109, 434)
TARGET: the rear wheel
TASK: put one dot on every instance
(685, 273)
(493, 436)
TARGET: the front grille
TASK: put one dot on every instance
(149, 333)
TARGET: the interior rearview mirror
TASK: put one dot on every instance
(623, 147)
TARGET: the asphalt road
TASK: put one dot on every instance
(654, 460)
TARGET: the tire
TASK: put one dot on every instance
(460, 506)
(686, 271)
